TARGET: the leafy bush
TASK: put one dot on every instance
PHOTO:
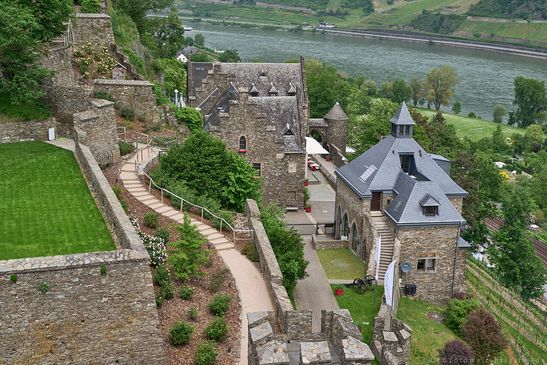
(13, 278)
(180, 333)
(217, 330)
(90, 6)
(151, 220)
(103, 270)
(43, 287)
(186, 292)
(154, 245)
(436, 22)
(163, 234)
(250, 251)
(472, 115)
(206, 354)
(159, 301)
(188, 254)
(227, 216)
(160, 277)
(217, 280)
(455, 353)
(220, 304)
(166, 291)
(126, 148)
(103, 95)
(125, 112)
(191, 117)
(193, 313)
(456, 314)
(483, 334)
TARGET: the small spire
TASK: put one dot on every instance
(273, 90)
(254, 90)
(292, 90)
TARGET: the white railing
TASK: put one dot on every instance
(152, 184)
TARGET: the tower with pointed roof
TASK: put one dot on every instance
(399, 195)
(333, 129)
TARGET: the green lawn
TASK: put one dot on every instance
(528, 31)
(473, 128)
(362, 308)
(341, 263)
(45, 204)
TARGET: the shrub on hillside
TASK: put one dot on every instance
(457, 312)
(126, 148)
(220, 304)
(90, 6)
(250, 251)
(218, 279)
(206, 353)
(151, 220)
(163, 234)
(217, 330)
(180, 333)
(186, 293)
(455, 353)
(191, 117)
(483, 334)
(188, 254)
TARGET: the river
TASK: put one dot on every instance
(486, 77)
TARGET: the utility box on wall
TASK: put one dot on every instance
(51, 134)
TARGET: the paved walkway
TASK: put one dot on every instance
(253, 293)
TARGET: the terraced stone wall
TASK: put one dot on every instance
(32, 130)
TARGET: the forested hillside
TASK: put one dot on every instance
(521, 9)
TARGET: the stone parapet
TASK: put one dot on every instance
(32, 130)
(391, 346)
(326, 242)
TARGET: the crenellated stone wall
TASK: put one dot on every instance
(338, 342)
(32, 130)
(95, 303)
(392, 346)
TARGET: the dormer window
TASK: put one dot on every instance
(430, 206)
(430, 211)
(242, 144)
(253, 91)
(273, 90)
(292, 90)
(262, 73)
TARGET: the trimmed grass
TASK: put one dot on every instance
(45, 204)
(528, 31)
(475, 129)
(362, 308)
(341, 263)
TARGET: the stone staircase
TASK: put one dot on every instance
(379, 221)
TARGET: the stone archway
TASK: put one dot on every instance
(345, 226)
(354, 238)
(318, 136)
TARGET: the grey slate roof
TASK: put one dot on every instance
(402, 116)
(317, 122)
(405, 208)
(336, 113)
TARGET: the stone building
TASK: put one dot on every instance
(260, 110)
(399, 194)
(332, 132)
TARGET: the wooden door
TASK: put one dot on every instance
(375, 203)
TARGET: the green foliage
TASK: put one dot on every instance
(456, 314)
(98, 94)
(150, 220)
(180, 333)
(217, 330)
(287, 245)
(102, 270)
(440, 83)
(201, 57)
(498, 113)
(206, 354)
(199, 40)
(192, 117)
(167, 33)
(530, 9)
(396, 91)
(432, 22)
(220, 304)
(250, 251)
(418, 90)
(186, 293)
(455, 353)
(457, 107)
(43, 287)
(126, 148)
(229, 55)
(161, 276)
(159, 301)
(163, 233)
(125, 112)
(217, 280)
(483, 334)
(23, 110)
(137, 9)
(530, 104)
(90, 6)
(13, 278)
(188, 253)
(241, 184)
(193, 313)
(366, 5)
(174, 75)
(227, 217)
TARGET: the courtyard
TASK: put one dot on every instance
(45, 204)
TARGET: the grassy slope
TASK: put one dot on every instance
(475, 129)
(45, 204)
(341, 263)
(528, 31)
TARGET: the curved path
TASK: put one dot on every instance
(253, 293)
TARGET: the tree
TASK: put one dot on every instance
(483, 334)
(229, 55)
(200, 57)
(51, 15)
(199, 40)
(499, 144)
(418, 91)
(457, 107)
(498, 113)
(455, 353)
(401, 91)
(457, 312)
(242, 184)
(192, 117)
(137, 9)
(534, 138)
(530, 102)
(90, 6)
(440, 83)
(188, 253)
(168, 33)
(174, 75)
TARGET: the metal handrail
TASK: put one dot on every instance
(151, 183)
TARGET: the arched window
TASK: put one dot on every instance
(345, 225)
(242, 144)
(354, 238)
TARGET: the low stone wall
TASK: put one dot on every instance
(133, 94)
(391, 347)
(338, 342)
(89, 308)
(95, 29)
(32, 130)
(326, 242)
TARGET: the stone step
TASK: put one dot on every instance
(174, 213)
(156, 205)
(220, 240)
(225, 246)
(136, 189)
(207, 230)
(164, 209)
(213, 236)
(140, 193)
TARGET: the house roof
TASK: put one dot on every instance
(402, 116)
(406, 208)
(336, 113)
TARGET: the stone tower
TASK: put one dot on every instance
(337, 132)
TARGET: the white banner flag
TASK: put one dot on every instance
(388, 283)
(378, 252)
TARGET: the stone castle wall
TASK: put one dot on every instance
(32, 130)
(437, 242)
(95, 29)
(85, 316)
(392, 346)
